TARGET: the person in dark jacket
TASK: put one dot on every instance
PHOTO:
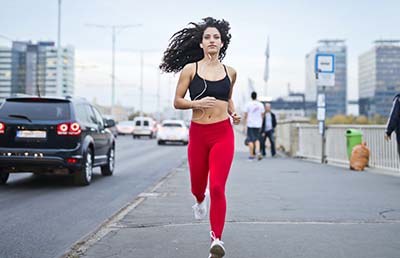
(393, 123)
(268, 129)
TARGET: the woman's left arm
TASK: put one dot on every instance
(231, 105)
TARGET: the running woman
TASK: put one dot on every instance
(197, 52)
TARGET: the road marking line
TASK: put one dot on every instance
(168, 225)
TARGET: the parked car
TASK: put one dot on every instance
(125, 127)
(144, 126)
(173, 131)
(54, 135)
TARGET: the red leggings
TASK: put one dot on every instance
(210, 149)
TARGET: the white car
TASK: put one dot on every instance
(144, 126)
(125, 127)
(173, 131)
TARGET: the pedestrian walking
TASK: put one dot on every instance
(393, 123)
(197, 52)
(268, 130)
(254, 112)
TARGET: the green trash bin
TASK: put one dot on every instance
(353, 138)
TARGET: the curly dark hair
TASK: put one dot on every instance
(184, 46)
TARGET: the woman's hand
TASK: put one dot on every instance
(207, 102)
(236, 118)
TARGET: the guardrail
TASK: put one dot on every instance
(303, 140)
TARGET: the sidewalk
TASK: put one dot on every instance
(277, 208)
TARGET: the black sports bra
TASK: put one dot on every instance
(200, 88)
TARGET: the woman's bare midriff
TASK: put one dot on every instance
(211, 115)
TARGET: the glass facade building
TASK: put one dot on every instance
(49, 64)
(379, 78)
(5, 72)
(28, 68)
(336, 96)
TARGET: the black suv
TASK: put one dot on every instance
(54, 135)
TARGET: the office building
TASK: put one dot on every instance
(28, 68)
(5, 72)
(379, 78)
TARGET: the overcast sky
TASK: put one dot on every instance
(293, 26)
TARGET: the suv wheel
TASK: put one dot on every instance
(3, 177)
(84, 175)
(108, 169)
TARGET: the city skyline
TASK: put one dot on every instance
(293, 29)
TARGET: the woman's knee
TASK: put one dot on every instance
(217, 191)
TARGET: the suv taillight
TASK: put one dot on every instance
(69, 129)
(2, 128)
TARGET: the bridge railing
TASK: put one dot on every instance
(298, 138)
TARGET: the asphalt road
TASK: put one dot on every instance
(43, 216)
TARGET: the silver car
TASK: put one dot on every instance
(125, 127)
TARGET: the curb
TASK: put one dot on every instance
(81, 246)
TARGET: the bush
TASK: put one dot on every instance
(360, 120)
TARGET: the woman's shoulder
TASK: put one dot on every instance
(189, 69)
(231, 72)
(230, 69)
(190, 66)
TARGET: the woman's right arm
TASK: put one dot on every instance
(183, 84)
(181, 89)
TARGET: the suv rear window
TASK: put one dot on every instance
(36, 110)
(172, 125)
(126, 123)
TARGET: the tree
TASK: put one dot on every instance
(378, 119)
(361, 120)
(135, 114)
(313, 118)
(338, 119)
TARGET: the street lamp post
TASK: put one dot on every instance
(141, 82)
(158, 93)
(141, 52)
(141, 77)
(114, 30)
(59, 78)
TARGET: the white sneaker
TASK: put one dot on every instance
(217, 249)
(200, 209)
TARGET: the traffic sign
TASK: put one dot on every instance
(326, 79)
(321, 113)
(325, 63)
(325, 69)
(321, 100)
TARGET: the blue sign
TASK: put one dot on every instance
(325, 63)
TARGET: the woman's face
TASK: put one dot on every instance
(211, 42)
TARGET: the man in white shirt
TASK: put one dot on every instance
(253, 116)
